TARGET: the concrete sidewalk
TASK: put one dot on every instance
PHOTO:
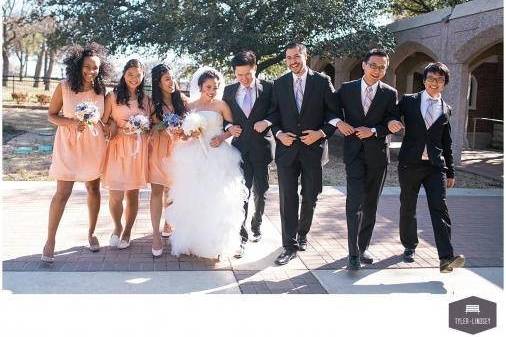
(477, 233)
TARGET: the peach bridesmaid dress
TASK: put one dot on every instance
(126, 164)
(160, 148)
(78, 156)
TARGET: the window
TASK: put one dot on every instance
(472, 92)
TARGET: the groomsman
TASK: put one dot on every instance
(303, 104)
(364, 108)
(250, 99)
(426, 159)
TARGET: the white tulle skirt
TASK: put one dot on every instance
(208, 195)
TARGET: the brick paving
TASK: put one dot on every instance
(477, 233)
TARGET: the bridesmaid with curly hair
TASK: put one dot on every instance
(78, 150)
(166, 99)
(126, 164)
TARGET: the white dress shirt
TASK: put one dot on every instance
(363, 87)
(424, 104)
(241, 92)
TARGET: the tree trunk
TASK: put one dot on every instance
(26, 65)
(38, 66)
(266, 64)
(52, 55)
(20, 56)
(5, 70)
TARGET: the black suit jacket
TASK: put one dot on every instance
(251, 143)
(318, 108)
(350, 110)
(437, 137)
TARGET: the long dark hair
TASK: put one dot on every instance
(157, 96)
(121, 90)
(74, 65)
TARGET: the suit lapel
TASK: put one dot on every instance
(418, 108)
(376, 98)
(358, 97)
(445, 116)
(236, 105)
(290, 93)
(307, 90)
(259, 90)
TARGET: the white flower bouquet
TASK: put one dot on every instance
(195, 123)
(136, 125)
(87, 112)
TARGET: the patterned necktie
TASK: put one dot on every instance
(367, 99)
(299, 94)
(430, 117)
(246, 103)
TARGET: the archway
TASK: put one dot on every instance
(409, 73)
(485, 98)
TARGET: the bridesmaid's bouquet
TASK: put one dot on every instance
(87, 112)
(170, 120)
(136, 125)
(195, 123)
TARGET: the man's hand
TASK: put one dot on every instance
(286, 138)
(310, 136)
(363, 132)
(217, 140)
(235, 130)
(260, 126)
(345, 128)
(450, 182)
(395, 126)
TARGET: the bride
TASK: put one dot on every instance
(207, 188)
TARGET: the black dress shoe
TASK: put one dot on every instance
(353, 263)
(409, 255)
(447, 265)
(286, 256)
(240, 253)
(256, 237)
(302, 245)
(366, 257)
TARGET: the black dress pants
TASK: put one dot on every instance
(433, 179)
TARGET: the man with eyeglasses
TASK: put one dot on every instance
(426, 159)
(364, 108)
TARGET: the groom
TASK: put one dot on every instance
(249, 99)
(303, 105)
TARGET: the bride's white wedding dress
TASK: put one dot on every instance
(208, 194)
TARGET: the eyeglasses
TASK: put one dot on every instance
(433, 80)
(374, 66)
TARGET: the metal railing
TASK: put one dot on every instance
(492, 120)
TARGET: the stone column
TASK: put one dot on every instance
(342, 71)
(456, 95)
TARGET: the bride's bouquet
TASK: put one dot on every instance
(195, 123)
(136, 125)
(87, 112)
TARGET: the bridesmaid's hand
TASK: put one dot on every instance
(80, 126)
(113, 130)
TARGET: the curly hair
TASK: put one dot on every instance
(206, 75)
(74, 64)
(121, 90)
(157, 96)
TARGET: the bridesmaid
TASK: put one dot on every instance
(166, 98)
(78, 153)
(126, 163)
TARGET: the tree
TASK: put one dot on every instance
(212, 31)
(405, 8)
